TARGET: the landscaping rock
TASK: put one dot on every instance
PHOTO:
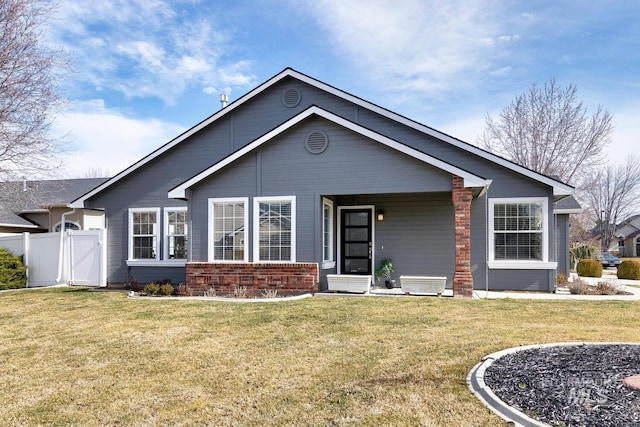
(576, 385)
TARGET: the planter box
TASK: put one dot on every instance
(349, 283)
(422, 285)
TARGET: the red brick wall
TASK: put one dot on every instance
(286, 278)
(462, 278)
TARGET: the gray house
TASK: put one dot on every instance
(298, 179)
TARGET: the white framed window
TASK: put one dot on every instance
(328, 259)
(274, 229)
(175, 233)
(519, 233)
(68, 225)
(228, 228)
(143, 233)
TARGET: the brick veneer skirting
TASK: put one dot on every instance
(286, 278)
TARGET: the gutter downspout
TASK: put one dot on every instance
(63, 218)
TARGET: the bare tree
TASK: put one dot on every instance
(548, 130)
(29, 94)
(612, 195)
(95, 172)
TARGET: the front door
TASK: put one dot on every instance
(356, 241)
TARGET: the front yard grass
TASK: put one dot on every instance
(74, 357)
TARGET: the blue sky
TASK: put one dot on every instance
(147, 70)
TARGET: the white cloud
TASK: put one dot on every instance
(428, 46)
(105, 139)
(149, 48)
(625, 140)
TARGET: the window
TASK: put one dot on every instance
(143, 232)
(274, 226)
(175, 223)
(67, 226)
(519, 231)
(228, 224)
(327, 234)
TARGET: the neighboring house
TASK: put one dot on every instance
(298, 179)
(628, 234)
(38, 206)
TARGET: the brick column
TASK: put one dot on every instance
(462, 279)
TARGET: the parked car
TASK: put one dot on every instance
(609, 260)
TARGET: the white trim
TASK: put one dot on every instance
(470, 180)
(158, 234)
(373, 235)
(520, 264)
(210, 230)
(568, 211)
(326, 262)
(256, 226)
(165, 237)
(77, 224)
(559, 189)
(156, 263)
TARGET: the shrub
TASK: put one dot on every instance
(13, 273)
(210, 293)
(270, 293)
(132, 284)
(166, 289)
(562, 279)
(587, 251)
(578, 286)
(151, 289)
(184, 290)
(629, 269)
(605, 288)
(589, 268)
(239, 291)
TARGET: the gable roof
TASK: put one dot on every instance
(470, 180)
(33, 196)
(568, 205)
(559, 188)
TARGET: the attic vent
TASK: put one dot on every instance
(291, 97)
(316, 142)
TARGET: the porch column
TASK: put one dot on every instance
(462, 279)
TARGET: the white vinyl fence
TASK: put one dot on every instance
(75, 258)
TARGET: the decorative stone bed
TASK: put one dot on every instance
(571, 384)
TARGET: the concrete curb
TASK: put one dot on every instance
(132, 295)
(475, 381)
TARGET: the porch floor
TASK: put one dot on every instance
(383, 291)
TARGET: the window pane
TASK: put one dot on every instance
(518, 231)
(274, 231)
(228, 231)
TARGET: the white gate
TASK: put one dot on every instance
(85, 255)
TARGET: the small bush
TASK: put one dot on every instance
(605, 288)
(629, 269)
(132, 284)
(270, 293)
(589, 268)
(239, 291)
(577, 287)
(151, 289)
(184, 290)
(166, 289)
(210, 293)
(13, 273)
(562, 279)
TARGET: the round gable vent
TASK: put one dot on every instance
(316, 142)
(291, 97)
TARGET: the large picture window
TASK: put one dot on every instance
(176, 233)
(274, 226)
(143, 232)
(518, 229)
(228, 224)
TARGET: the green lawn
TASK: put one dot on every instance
(74, 357)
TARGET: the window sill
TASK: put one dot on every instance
(522, 265)
(156, 263)
(328, 265)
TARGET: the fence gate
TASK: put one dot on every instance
(84, 252)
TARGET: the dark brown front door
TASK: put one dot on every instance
(356, 241)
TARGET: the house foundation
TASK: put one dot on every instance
(286, 278)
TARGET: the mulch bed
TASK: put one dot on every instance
(577, 385)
